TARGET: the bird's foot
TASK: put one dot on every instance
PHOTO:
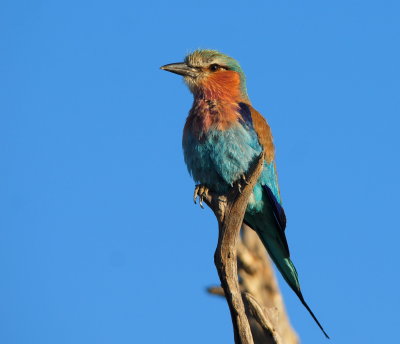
(243, 179)
(241, 182)
(200, 191)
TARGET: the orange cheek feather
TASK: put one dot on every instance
(222, 85)
(221, 88)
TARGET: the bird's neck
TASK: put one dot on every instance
(207, 114)
(216, 103)
(223, 86)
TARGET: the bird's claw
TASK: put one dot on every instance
(200, 191)
(242, 180)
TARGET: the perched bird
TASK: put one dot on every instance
(223, 135)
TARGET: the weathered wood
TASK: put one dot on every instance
(257, 316)
(229, 210)
(257, 278)
(263, 301)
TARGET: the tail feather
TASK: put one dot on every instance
(289, 273)
(266, 228)
(300, 296)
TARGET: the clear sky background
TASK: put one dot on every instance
(99, 239)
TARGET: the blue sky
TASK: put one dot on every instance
(99, 239)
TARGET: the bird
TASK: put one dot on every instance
(222, 137)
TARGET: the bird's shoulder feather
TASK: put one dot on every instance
(252, 118)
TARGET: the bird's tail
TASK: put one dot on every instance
(289, 273)
(311, 312)
(274, 241)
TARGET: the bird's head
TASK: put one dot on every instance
(212, 75)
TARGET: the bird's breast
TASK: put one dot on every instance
(218, 157)
(209, 114)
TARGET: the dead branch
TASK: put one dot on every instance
(260, 282)
(229, 210)
(257, 312)
(254, 321)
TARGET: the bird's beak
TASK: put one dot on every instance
(181, 68)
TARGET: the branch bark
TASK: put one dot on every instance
(256, 305)
(257, 279)
(229, 211)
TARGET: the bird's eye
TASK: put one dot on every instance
(214, 67)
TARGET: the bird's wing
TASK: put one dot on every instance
(270, 223)
(253, 120)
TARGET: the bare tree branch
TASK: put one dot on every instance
(260, 282)
(258, 313)
(229, 211)
(255, 318)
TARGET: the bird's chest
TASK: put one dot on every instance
(218, 157)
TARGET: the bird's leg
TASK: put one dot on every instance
(200, 191)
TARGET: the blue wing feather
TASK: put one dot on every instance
(246, 120)
(278, 210)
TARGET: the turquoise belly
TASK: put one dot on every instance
(219, 158)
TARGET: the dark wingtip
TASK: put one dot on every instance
(312, 314)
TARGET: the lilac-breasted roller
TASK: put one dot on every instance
(223, 135)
